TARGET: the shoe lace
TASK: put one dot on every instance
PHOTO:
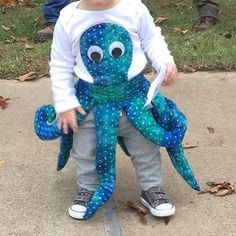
(83, 196)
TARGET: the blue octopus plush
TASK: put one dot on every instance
(106, 51)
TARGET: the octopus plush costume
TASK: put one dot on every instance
(106, 51)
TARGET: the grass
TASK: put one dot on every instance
(209, 50)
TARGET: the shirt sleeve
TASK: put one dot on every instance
(153, 42)
(61, 70)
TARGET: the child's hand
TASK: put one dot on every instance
(171, 74)
(68, 119)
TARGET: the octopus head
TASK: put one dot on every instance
(106, 50)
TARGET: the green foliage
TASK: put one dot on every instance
(209, 50)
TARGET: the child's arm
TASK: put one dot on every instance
(155, 46)
(62, 79)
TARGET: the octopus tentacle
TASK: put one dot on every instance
(142, 119)
(167, 115)
(106, 117)
(180, 163)
(45, 123)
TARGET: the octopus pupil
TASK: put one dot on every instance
(95, 56)
(116, 52)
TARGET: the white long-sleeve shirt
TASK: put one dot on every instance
(65, 51)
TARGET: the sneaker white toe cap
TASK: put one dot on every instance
(164, 206)
(77, 211)
(78, 208)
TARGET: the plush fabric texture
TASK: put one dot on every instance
(107, 55)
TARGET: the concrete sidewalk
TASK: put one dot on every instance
(34, 198)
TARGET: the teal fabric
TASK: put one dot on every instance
(106, 50)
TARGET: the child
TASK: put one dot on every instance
(66, 59)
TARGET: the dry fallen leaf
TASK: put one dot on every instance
(3, 102)
(189, 68)
(166, 220)
(35, 21)
(220, 188)
(28, 46)
(211, 130)
(28, 76)
(141, 211)
(180, 31)
(9, 27)
(7, 3)
(160, 19)
(165, 5)
(22, 40)
(189, 146)
(137, 207)
(222, 192)
(142, 218)
(214, 189)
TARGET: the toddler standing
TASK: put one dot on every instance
(66, 60)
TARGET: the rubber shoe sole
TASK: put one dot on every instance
(159, 212)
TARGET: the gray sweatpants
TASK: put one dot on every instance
(207, 8)
(145, 155)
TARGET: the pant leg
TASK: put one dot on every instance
(83, 153)
(207, 8)
(52, 8)
(145, 155)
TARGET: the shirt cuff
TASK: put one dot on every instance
(67, 105)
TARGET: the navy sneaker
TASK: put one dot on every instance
(157, 202)
(78, 207)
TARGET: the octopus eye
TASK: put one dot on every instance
(95, 53)
(116, 49)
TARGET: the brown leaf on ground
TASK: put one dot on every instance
(9, 27)
(28, 76)
(142, 218)
(141, 211)
(220, 188)
(160, 19)
(211, 130)
(180, 31)
(3, 102)
(12, 39)
(189, 146)
(28, 46)
(180, 5)
(206, 190)
(165, 5)
(222, 192)
(166, 220)
(7, 3)
(22, 40)
(215, 183)
(189, 68)
(35, 21)
(137, 207)
(214, 189)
